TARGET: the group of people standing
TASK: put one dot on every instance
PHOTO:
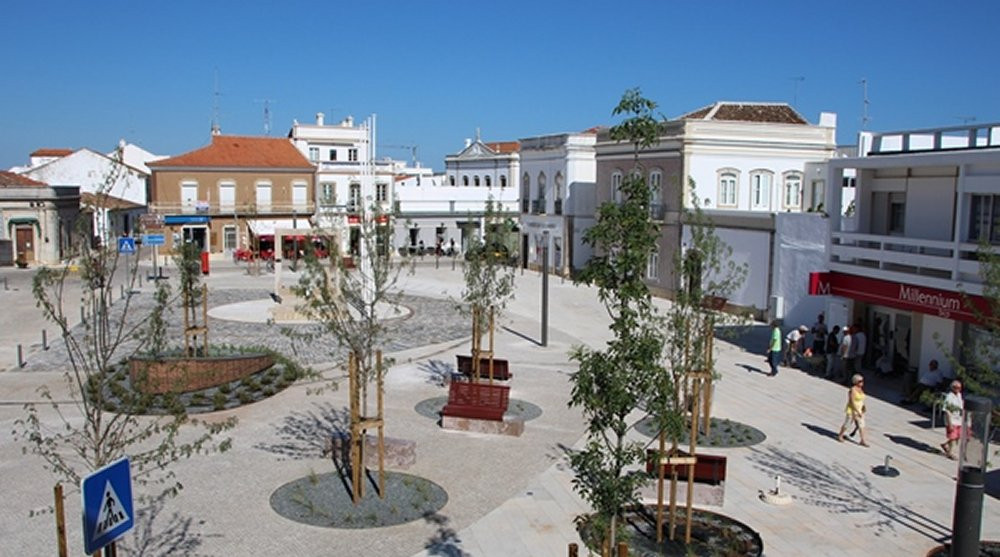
(844, 349)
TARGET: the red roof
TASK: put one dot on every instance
(44, 152)
(12, 179)
(505, 146)
(241, 151)
(776, 113)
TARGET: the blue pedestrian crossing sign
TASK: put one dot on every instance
(107, 505)
(126, 245)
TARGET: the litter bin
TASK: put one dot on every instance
(204, 262)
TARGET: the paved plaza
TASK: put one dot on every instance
(507, 496)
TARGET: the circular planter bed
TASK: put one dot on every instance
(120, 395)
(711, 534)
(723, 433)
(325, 500)
(431, 408)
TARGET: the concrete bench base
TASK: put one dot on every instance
(509, 426)
(400, 454)
(704, 494)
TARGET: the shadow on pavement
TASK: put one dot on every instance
(840, 490)
(439, 373)
(445, 541)
(308, 434)
(911, 443)
(820, 430)
(752, 369)
(157, 534)
(522, 335)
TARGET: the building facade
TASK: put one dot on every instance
(223, 195)
(735, 160)
(905, 264)
(558, 182)
(38, 222)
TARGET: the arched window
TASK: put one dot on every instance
(760, 189)
(503, 181)
(525, 192)
(451, 180)
(616, 186)
(541, 193)
(792, 191)
(475, 180)
(489, 183)
(728, 183)
(655, 188)
(465, 181)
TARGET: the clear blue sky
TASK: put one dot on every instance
(84, 74)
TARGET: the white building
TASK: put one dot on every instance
(558, 182)
(435, 210)
(902, 268)
(745, 163)
(348, 178)
(112, 186)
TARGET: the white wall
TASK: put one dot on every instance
(931, 347)
(89, 170)
(704, 170)
(751, 248)
(799, 249)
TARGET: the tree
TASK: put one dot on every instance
(101, 423)
(612, 383)
(489, 277)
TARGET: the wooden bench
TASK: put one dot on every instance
(501, 370)
(708, 469)
(476, 400)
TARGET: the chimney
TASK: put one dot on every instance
(319, 118)
(349, 121)
(468, 142)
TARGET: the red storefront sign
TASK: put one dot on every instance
(356, 219)
(921, 299)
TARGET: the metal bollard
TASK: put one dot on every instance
(5, 287)
(121, 291)
(20, 356)
(83, 317)
(45, 340)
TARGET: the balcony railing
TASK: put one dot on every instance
(940, 264)
(936, 139)
(538, 207)
(224, 209)
(657, 210)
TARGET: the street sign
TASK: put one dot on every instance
(153, 239)
(151, 220)
(126, 245)
(107, 505)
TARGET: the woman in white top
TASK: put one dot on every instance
(953, 423)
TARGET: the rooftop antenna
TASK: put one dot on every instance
(267, 114)
(864, 115)
(216, 128)
(797, 79)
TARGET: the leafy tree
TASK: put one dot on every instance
(96, 426)
(612, 383)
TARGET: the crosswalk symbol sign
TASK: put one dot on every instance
(126, 245)
(107, 505)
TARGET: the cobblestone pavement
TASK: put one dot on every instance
(431, 321)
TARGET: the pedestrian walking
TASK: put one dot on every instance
(953, 405)
(774, 347)
(855, 410)
(844, 350)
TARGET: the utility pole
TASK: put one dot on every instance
(864, 113)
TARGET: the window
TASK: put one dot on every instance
(792, 191)
(760, 189)
(728, 180)
(540, 207)
(489, 183)
(354, 197)
(189, 194)
(656, 194)
(984, 219)
(381, 192)
(229, 238)
(465, 181)
(227, 196)
(352, 155)
(653, 265)
(525, 192)
(333, 154)
(264, 195)
(314, 154)
(503, 181)
(328, 193)
(451, 180)
(818, 194)
(616, 186)
(475, 180)
(300, 197)
(897, 213)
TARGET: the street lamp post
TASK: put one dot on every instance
(973, 448)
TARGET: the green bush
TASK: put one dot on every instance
(225, 388)
(245, 397)
(219, 400)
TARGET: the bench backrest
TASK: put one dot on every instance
(461, 393)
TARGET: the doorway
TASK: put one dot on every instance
(25, 248)
(197, 235)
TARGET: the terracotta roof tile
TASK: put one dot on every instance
(775, 113)
(241, 151)
(12, 179)
(45, 152)
(505, 146)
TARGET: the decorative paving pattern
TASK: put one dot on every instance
(431, 408)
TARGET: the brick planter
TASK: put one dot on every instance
(179, 375)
